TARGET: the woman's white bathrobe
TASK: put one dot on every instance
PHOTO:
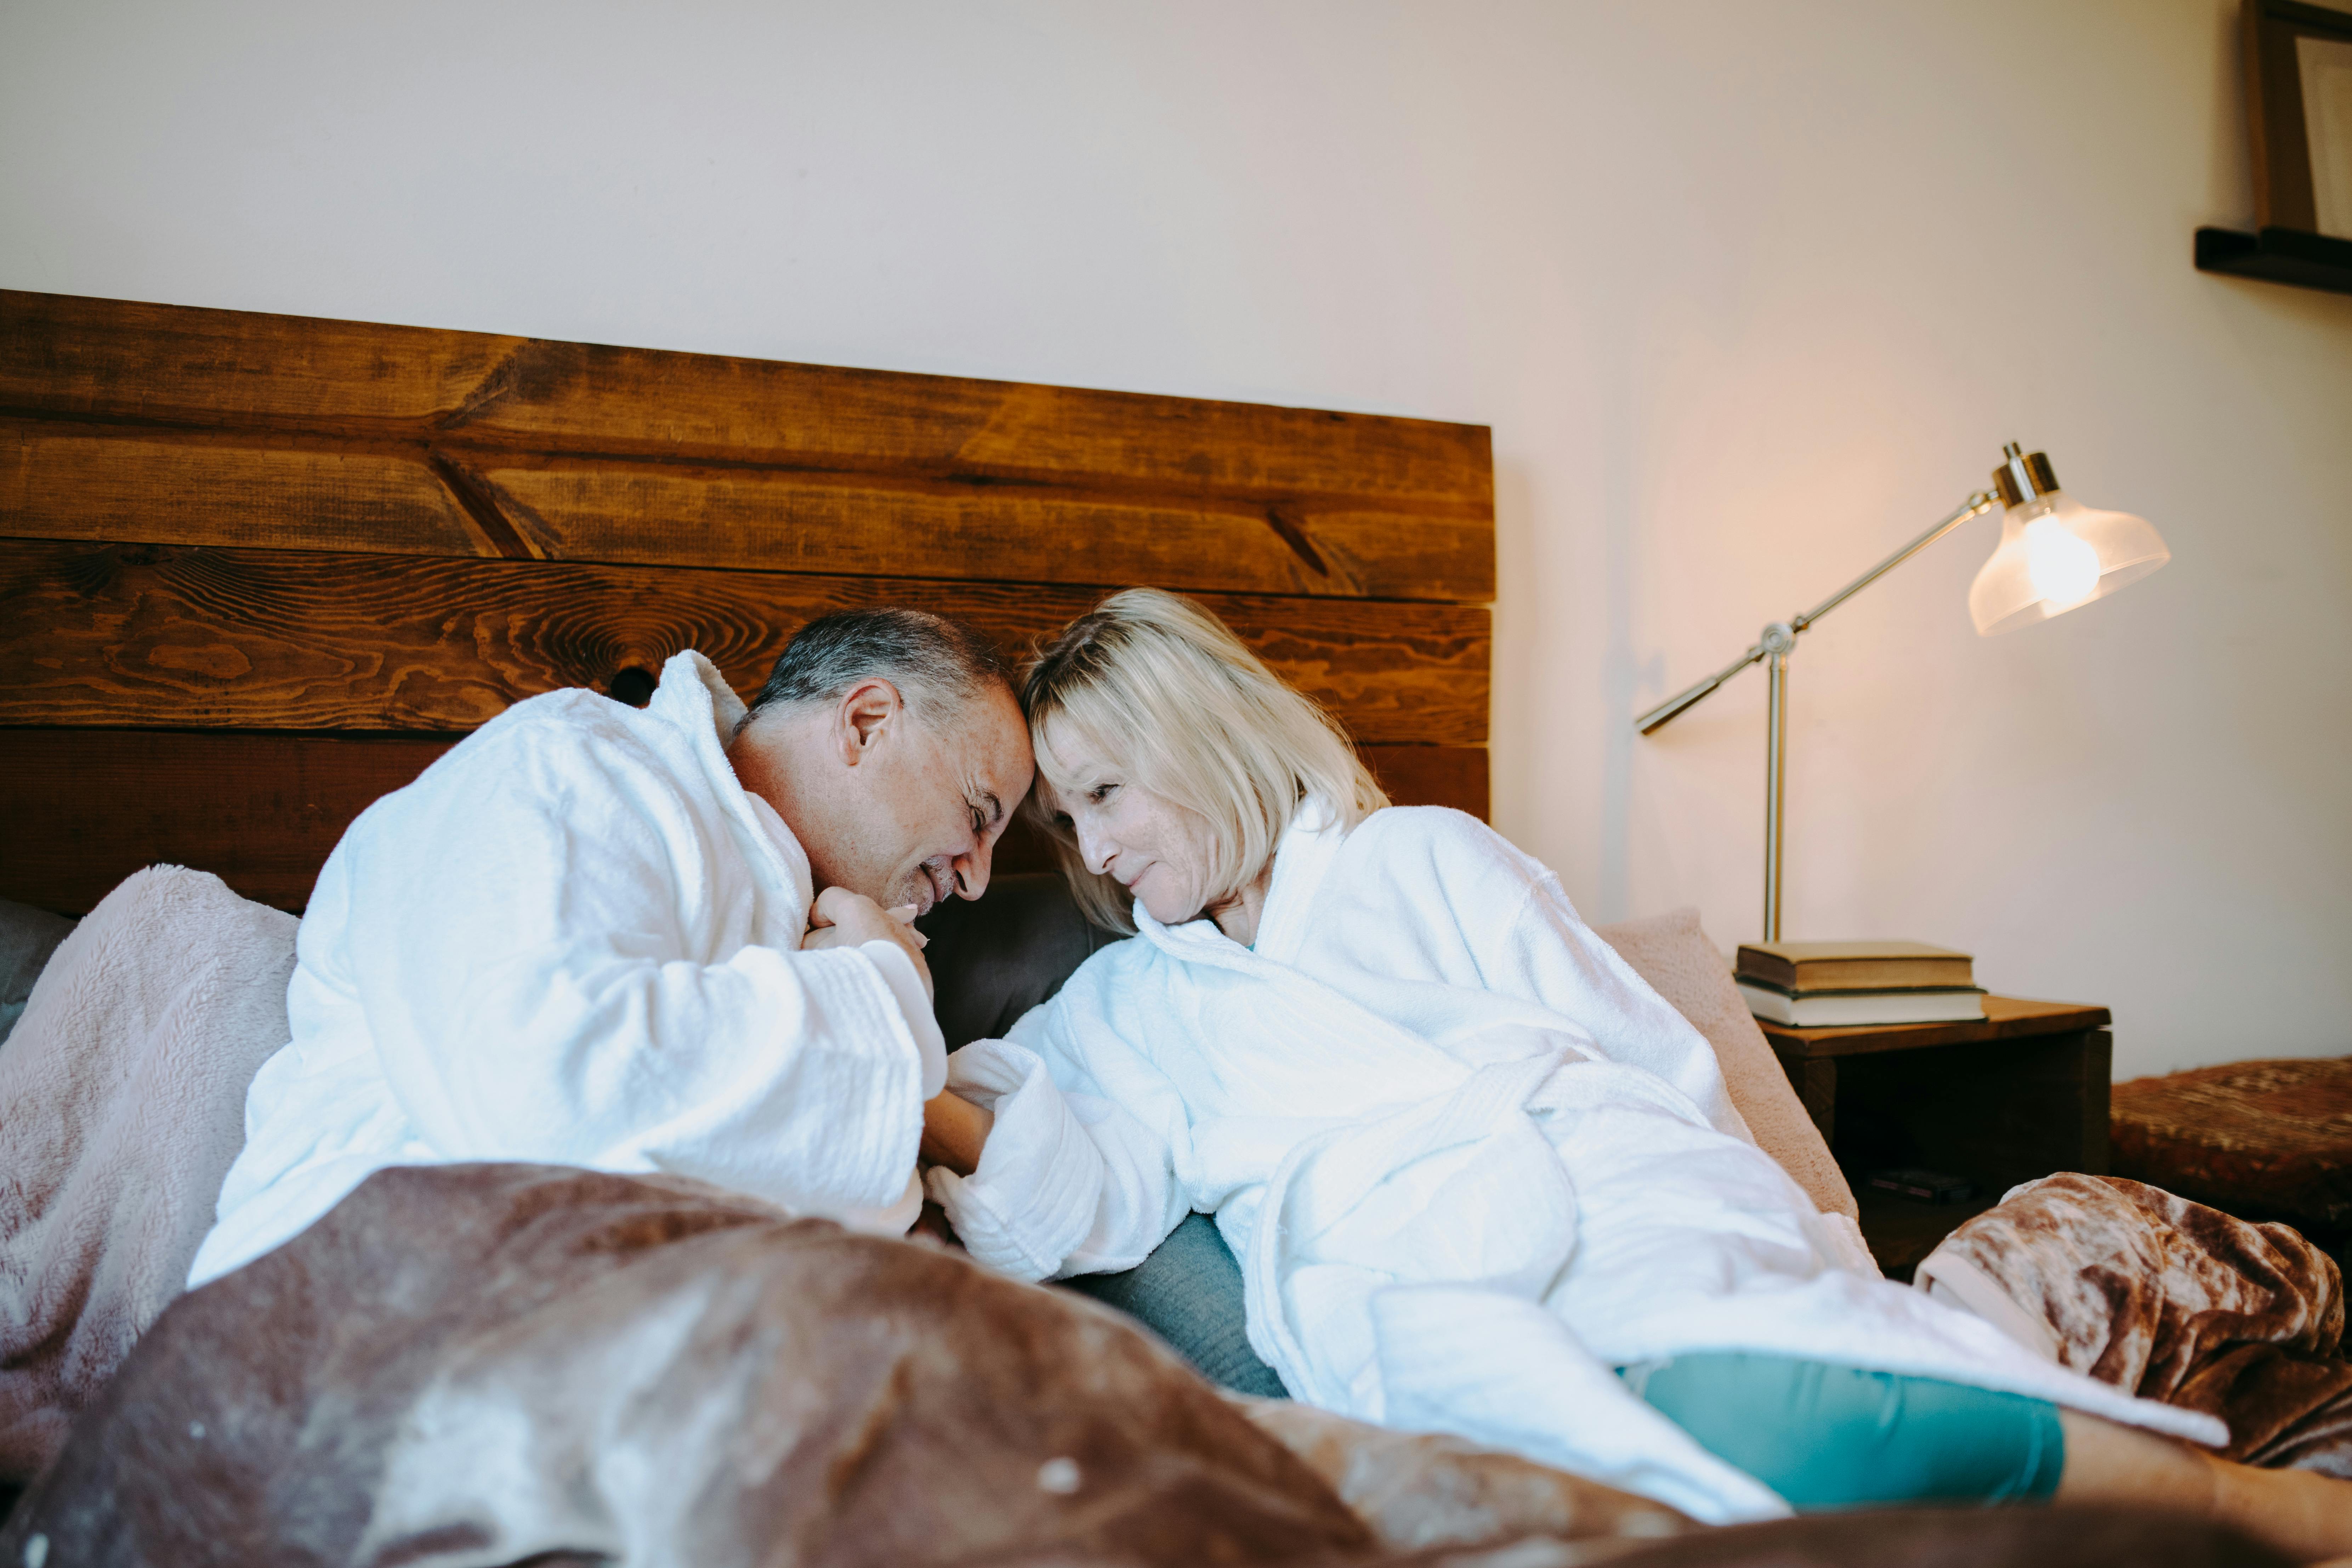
(576, 940)
(1469, 1162)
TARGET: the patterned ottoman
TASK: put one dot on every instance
(2267, 1139)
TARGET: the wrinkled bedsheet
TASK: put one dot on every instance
(2172, 1300)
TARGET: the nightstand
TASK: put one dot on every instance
(2020, 1093)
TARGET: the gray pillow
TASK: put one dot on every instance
(1190, 1293)
(27, 937)
(993, 958)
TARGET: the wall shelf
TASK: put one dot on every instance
(2278, 255)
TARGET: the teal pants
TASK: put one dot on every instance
(1833, 1436)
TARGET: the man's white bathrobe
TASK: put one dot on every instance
(576, 940)
(1469, 1162)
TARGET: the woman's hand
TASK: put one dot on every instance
(953, 1130)
(840, 917)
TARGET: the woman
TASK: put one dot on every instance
(1479, 1178)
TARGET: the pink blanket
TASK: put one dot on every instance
(123, 1086)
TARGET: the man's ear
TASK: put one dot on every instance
(869, 712)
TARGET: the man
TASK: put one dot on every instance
(674, 939)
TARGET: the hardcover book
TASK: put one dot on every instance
(1844, 1009)
(1854, 966)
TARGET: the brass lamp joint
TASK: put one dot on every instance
(2024, 475)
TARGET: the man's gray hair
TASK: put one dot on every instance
(926, 657)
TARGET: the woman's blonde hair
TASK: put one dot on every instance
(1159, 686)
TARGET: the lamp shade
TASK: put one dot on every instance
(2055, 554)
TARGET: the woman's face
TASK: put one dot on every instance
(1157, 850)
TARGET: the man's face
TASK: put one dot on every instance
(901, 803)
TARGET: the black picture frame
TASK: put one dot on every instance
(2289, 246)
(2285, 195)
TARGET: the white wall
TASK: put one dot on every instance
(1749, 294)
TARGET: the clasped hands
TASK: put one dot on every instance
(953, 1128)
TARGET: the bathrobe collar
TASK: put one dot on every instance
(695, 699)
(1301, 861)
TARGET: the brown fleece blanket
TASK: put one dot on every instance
(2174, 1301)
(122, 1108)
(581, 1366)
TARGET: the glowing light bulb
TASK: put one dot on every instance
(2055, 554)
(2062, 567)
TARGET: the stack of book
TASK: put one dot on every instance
(1833, 984)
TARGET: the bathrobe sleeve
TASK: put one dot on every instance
(1079, 1172)
(523, 933)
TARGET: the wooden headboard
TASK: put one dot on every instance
(258, 570)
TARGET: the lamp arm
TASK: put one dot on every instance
(1977, 505)
(1676, 706)
(1666, 710)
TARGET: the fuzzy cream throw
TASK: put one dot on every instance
(124, 1084)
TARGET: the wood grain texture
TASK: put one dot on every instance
(96, 482)
(2006, 1018)
(162, 365)
(141, 635)
(216, 427)
(1433, 775)
(87, 483)
(751, 518)
(85, 808)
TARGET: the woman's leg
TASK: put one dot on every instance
(2306, 1515)
(1828, 1437)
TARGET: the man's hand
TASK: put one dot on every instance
(840, 917)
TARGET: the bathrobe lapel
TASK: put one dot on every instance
(694, 699)
(1336, 1196)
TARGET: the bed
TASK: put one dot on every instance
(257, 570)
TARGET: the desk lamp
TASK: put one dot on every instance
(2054, 555)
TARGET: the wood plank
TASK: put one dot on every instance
(97, 482)
(2006, 1018)
(1815, 1081)
(606, 454)
(137, 635)
(75, 356)
(574, 397)
(1433, 775)
(85, 808)
(94, 483)
(120, 358)
(801, 522)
